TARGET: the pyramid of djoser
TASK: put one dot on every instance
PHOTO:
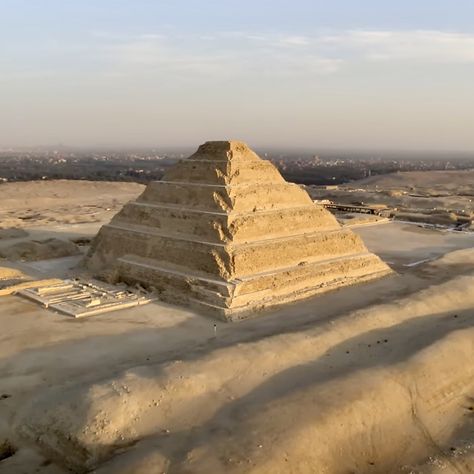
(225, 232)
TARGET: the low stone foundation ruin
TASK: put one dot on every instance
(78, 298)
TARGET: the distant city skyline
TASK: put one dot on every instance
(299, 74)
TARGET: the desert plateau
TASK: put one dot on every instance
(374, 376)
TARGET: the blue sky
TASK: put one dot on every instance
(363, 74)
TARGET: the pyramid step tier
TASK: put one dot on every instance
(224, 172)
(240, 296)
(223, 260)
(220, 227)
(212, 197)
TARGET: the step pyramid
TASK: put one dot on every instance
(225, 232)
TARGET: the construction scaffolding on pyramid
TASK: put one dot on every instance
(224, 232)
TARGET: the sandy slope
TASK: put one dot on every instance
(379, 389)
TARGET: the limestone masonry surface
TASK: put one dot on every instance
(224, 232)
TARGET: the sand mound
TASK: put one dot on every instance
(375, 390)
(435, 218)
(12, 233)
(10, 277)
(39, 250)
(11, 274)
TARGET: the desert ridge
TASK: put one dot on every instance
(225, 233)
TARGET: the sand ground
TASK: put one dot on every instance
(50, 203)
(438, 197)
(375, 378)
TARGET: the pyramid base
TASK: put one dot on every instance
(254, 310)
(246, 297)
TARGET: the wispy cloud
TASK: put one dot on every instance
(225, 54)
(148, 54)
(420, 45)
(321, 53)
(294, 41)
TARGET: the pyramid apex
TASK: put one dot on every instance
(224, 150)
(225, 144)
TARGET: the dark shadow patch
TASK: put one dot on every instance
(7, 450)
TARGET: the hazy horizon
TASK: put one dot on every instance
(263, 151)
(294, 75)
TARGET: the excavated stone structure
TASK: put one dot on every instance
(225, 232)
